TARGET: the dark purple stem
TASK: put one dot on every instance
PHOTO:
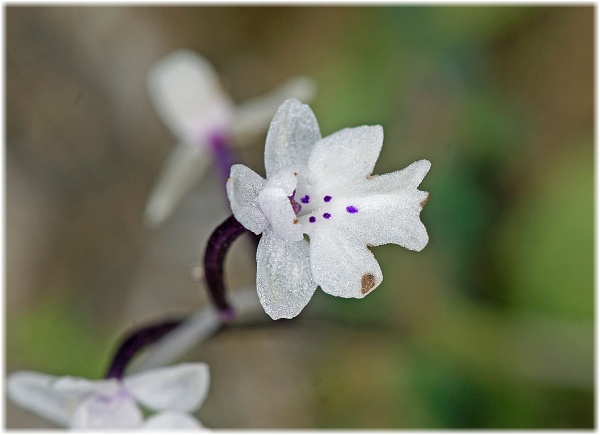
(219, 143)
(214, 258)
(135, 342)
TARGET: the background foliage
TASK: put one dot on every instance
(491, 326)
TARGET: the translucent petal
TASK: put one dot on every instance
(187, 95)
(293, 132)
(181, 388)
(346, 156)
(283, 276)
(275, 203)
(107, 412)
(243, 188)
(183, 169)
(341, 266)
(172, 420)
(35, 392)
(253, 116)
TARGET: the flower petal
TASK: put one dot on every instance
(182, 170)
(407, 178)
(293, 132)
(275, 203)
(388, 218)
(36, 392)
(181, 388)
(340, 266)
(243, 188)
(187, 94)
(346, 156)
(283, 276)
(253, 116)
(386, 209)
(107, 412)
(172, 420)
(72, 384)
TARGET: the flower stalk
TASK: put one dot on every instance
(214, 258)
(134, 343)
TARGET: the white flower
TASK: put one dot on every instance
(186, 92)
(323, 188)
(78, 403)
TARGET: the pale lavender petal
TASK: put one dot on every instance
(107, 412)
(283, 276)
(34, 392)
(187, 95)
(183, 169)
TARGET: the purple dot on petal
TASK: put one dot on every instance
(351, 209)
(312, 219)
(326, 215)
(327, 198)
(305, 199)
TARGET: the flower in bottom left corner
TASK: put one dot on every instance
(173, 393)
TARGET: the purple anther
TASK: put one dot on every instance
(326, 215)
(327, 198)
(305, 199)
(351, 209)
(312, 219)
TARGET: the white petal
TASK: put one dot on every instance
(407, 178)
(346, 156)
(388, 218)
(187, 95)
(283, 277)
(243, 188)
(107, 412)
(275, 203)
(35, 392)
(293, 133)
(385, 209)
(253, 116)
(341, 266)
(184, 167)
(71, 384)
(182, 387)
(172, 420)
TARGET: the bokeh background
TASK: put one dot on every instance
(490, 326)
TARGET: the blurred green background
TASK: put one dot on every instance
(490, 326)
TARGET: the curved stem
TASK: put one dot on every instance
(135, 342)
(214, 258)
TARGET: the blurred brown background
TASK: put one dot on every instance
(491, 326)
